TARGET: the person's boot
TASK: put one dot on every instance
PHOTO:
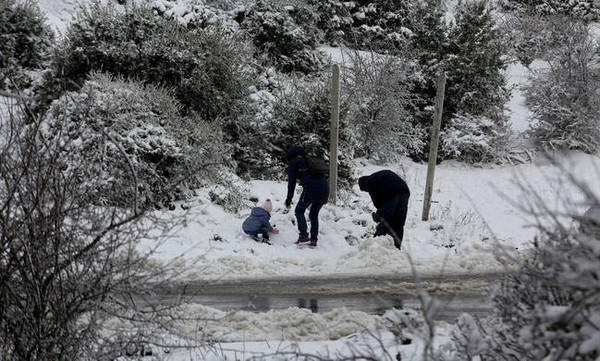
(302, 240)
(313, 243)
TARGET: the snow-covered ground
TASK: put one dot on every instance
(475, 226)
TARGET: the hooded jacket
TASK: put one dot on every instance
(314, 188)
(257, 222)
(383, 186)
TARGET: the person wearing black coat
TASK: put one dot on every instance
(390, 195)
(315, 194)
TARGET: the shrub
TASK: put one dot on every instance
(334, 18)
(133, 141)
(381, 106)
(587, 10)
(24, 42)
(206, 67)
(302, 116)
(381, 25)
(475, 139)
(550, 308)
(565, 98)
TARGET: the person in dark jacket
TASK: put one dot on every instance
(389, 194)
(258, 223)
(315, 194)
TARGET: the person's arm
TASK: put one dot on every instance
(292, 175)
(266, 224)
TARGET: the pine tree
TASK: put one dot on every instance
(475, 84)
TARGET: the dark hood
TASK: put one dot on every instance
(364, 183)
(294, 151)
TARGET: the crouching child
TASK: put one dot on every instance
(258, 223)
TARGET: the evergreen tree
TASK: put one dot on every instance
(429, 44)
(286, 36)
(475, 65)
(24, 42)
(475, 84)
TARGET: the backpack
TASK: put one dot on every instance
(317, 166)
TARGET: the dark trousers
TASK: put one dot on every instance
(313, 216)
(393, 216)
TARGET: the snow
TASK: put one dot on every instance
(476, 225)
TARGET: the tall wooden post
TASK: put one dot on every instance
(433, 146)
(335, 119)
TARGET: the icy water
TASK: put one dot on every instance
(451, 305)
(371, 294)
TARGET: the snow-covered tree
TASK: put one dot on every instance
(24, 42)
(476, 86)
(334, 18)
(475, 66)
(285, 36)
(379, 25)
(565, 97)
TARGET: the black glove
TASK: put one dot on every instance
(288, 202)
(375, 217)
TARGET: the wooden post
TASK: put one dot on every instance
(335, 119)
(433, 146)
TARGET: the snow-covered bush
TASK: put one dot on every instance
(475, 139)
(207, 68)
(379, 25)
(334, 18)
(66, 265)
(550, 308)
(198, 14)
(381, 104)
(136, 147)
(24, 41)
(588, 10)
(286, 36)
(565, 97)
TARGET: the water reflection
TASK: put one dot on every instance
(313, 304)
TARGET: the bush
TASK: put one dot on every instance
(587, 10)
(380, 25)
(301, 115)
(206, 67)
(24, 42)
(565, 98)
(475, 139)
(381, 105)
(133, 141)
(549, 309)
(334, 18)
(286, 37)
(67, 266)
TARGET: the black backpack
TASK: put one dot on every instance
(316, 166)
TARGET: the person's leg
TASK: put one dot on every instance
(386, 215)
(313, 215)
(400, 219)
(300, 218)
